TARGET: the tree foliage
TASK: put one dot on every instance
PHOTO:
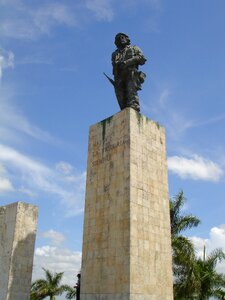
(71, 293)
(194, 278)
(48, 287)
(183, 249)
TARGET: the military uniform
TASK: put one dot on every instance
(127, 78)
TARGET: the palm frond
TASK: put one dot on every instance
(71, 294)
(216, 256)
(49, 275)
(50, 286)
(63, 288)
(176, 204)
(187, 221)
(57, 278)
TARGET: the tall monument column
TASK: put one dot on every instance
(17, 237)
(126, 241)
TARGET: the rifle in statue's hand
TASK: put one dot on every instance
(114, 84)
(110, 79)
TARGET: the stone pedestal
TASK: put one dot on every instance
(17, 237)
(126, 241)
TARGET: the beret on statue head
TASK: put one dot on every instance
(118, 36)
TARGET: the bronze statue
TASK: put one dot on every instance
(127, 79)
(77, 287)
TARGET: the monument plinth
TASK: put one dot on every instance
(126, 241)
(17, 237)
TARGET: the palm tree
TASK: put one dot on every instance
(49, 287)
(71, 293)
(181, 245)
(205, 281)
(34, 295)
(210, 283)
(195, 278)
(183, 249)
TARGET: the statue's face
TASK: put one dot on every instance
(122, 41)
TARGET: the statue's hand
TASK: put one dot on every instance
(121, 64)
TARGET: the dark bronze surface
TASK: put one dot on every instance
(126, 60)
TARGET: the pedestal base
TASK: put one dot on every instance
(126, 243)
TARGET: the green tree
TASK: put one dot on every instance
(183, 249)
(194, 278)
(48, 287)
(205, 281)
(71, 293)
(182, 246)
(209, 282)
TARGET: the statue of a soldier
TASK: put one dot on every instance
(127, 78)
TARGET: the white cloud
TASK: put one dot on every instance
(216, 240)
(27, 192)
(173, 117)
(46, 17)
(56, 238)
(199, 244)
(163, 109)
(211, 120)
(22, 20)
(5, 185)
(9, 129)
(2, 169)
(28, 175)
(163, 98)
(25, 22)
(37, 177)
(57, 259)
(102, 9)
(6, 60)
(21, 161)
(64, 167)
(197, 168)
(179, 124)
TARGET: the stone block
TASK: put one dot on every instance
(126, 242)
(17, 238)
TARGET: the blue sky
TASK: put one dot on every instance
(52, 56)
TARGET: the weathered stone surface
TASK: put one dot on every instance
(126, 242)
(17, 237)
